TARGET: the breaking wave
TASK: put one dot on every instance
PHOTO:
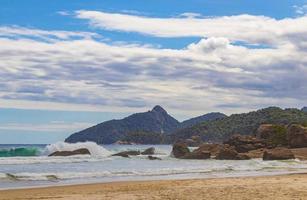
(93, 148)
(21, 151)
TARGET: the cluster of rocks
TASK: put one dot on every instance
(149, 152)
(271, 142)
(206, 151)
(83, 151)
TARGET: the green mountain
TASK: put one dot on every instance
(152, 127)
(245, 124)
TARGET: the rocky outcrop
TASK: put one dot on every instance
(243, 144)
(212, 148)
(126, 154)
(180, 149)
(82, 151)
(197, 155)
(149, 151)
(229, 153)
(273, 135)
(153, 158)
(297, 136)
(279, 153)
(265, 131)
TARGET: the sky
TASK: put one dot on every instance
(67, 65)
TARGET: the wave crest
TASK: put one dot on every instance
(93, 148)
(20, 151)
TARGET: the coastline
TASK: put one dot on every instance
(290, 186)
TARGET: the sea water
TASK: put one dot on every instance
(29, 165)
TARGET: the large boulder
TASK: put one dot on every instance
(227, 153)
(244, 143)
(149, 151)
(265, 131)
(197, 155)
(273, 135)
(212, 148)
(279, 153)
(82, 151)
(180, 149)
(127, 153)
(297, 136)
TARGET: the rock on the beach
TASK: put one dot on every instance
(127, 153)
(197, 155)
(153, 158)
(212, 148)
(297, 136)
(243, 156)
(180, 149)
(227, 153)
(149, 151)
(265, 131)
(244, 143)
(279, 153)
(82, 151)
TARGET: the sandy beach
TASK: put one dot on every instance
(269, 187)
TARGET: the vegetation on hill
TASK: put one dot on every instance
(203, 118)
(142, 125)
(143, 137)
(244, 124)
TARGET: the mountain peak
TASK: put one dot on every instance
(159, 109)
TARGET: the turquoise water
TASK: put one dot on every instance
(29, 165)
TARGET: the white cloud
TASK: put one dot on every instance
(17, 32)
(300, 10)
(63, 71)
(247, 28)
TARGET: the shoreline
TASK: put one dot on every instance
(43, 186)
(266, 187)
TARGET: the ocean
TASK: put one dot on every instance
(24, 166)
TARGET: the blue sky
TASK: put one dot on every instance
(67, 65)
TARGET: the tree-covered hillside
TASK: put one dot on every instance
(245, 124)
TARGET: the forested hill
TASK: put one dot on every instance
(245, 124)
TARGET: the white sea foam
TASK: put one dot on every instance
(94, 149)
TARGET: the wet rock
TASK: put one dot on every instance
(127, 153)
(279, 153)
(149, 151)
(197, 155)
(153, 158)
(180, 149)
(82, 151)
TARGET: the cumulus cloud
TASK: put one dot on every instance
(63, 71)
(247, 28)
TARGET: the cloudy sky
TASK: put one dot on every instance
(66, 65)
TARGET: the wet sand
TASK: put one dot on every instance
(268, 187)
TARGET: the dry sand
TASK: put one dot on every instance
(269, 187)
